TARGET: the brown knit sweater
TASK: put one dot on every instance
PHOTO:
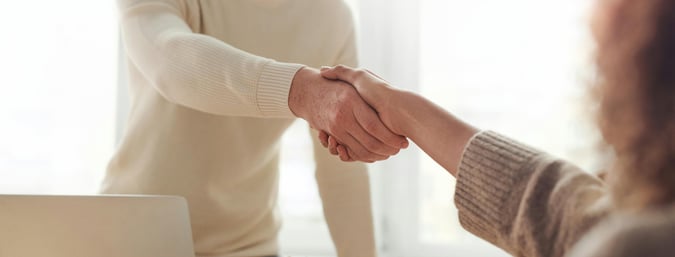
(531, 204)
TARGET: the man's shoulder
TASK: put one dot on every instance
(649, 233)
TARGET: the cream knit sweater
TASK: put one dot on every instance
(209, 90)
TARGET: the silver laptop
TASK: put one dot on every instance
(94, 226)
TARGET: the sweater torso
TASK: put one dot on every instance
(226, 166)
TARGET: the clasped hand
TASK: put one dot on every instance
(348, 107)
(349, 126)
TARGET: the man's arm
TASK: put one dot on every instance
(199, 71)
(209, 75)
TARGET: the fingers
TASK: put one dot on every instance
(371, 123)
(340, 150)
(341, 72)
(359, 152)
(323, 138)
(370, 139)
(354, 148)
(336, 149)
(332, 145)
(343, 153)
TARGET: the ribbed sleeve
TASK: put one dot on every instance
(488, 174)
(525, 201)
(198, 71)
(273, 88)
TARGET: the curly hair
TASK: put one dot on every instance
(636, 96)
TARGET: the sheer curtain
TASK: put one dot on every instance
(519, 67)
(58, 83)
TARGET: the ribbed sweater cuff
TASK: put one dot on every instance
(490, 174)
(273, 87)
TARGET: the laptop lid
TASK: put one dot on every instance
(94, 226)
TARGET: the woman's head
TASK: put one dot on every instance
(636, 92)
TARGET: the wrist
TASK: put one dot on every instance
(297, 100)
(403, 105)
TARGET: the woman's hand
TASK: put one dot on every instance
(375, 91)
(337, 108)
(437, 132)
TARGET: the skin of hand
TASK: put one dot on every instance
(434, 130)
(374, 94)
(336, 108)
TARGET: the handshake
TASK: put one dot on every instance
(354, 111)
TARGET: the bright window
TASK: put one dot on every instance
(59, 77)
(518, 67)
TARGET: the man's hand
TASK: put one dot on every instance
(335, 107)
(375, 91)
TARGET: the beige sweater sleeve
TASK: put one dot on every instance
(198, 71)
(525, 201)
(344, 187)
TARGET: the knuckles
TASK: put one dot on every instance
(343, 109)
(337, 119)
(360, 73)
(346, 96)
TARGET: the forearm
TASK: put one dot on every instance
(199, 71)
(507, 193)
(437, 132)
(525, 201)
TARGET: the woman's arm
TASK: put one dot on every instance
(515, 197)
(437, 132)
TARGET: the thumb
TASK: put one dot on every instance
(329, 72)
(341, 72)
